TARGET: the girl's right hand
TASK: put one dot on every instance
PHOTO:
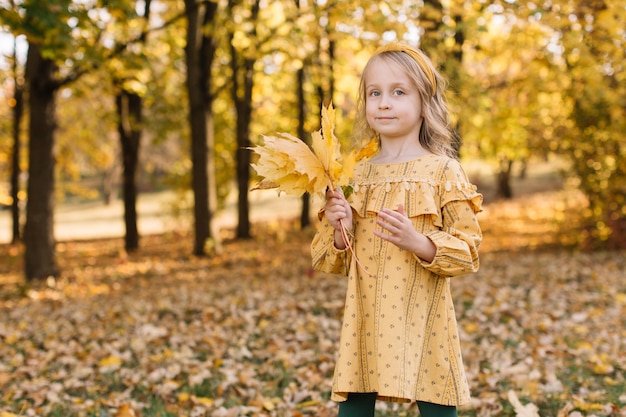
(337, 209)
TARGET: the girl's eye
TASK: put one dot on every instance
(374, 93)
(399, 92)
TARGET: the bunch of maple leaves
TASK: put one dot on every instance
(288, 164)
(252, 332)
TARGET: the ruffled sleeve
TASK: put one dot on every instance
(457, 235)
(325, 256)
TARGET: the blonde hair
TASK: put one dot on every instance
(435, 135)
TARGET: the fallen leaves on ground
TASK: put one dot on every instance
(252, 332)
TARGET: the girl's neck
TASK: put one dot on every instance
(395, 152)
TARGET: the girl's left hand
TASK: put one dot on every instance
(396, 227)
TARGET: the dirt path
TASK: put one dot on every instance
(156, 215)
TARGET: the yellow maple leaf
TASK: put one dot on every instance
(125, 410)
(269, 405)
(527, 410)
(110, 361)
(471, 328)
(603, 369)
(587, 406)
(344, 175)
(205, 401)
(289, 164)
(368, 150)
(324, 143)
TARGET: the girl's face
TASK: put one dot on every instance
(393, 106)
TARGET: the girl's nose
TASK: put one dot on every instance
(383, 104)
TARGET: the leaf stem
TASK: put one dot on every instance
(346, 240)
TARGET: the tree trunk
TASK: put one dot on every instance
(305, 214)
(129, 118)
(242, 84)
(331, 69)
(18, 110)
(450, 63)
(325, 93)
(243, 157)
(199, 53)
(39, 242)
(454, 74)
(504, 189)
(431, 22)
(129, 106)
(108, 183)
(243, 173)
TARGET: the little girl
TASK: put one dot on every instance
(411, 221)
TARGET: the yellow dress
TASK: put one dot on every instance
(399, 335)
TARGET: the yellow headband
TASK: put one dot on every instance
(417, 56)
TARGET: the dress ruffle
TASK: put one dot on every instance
(419, 196)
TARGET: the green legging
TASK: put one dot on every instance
(362, 405)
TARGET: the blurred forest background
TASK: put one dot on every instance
(118, 101)
(107, 100)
